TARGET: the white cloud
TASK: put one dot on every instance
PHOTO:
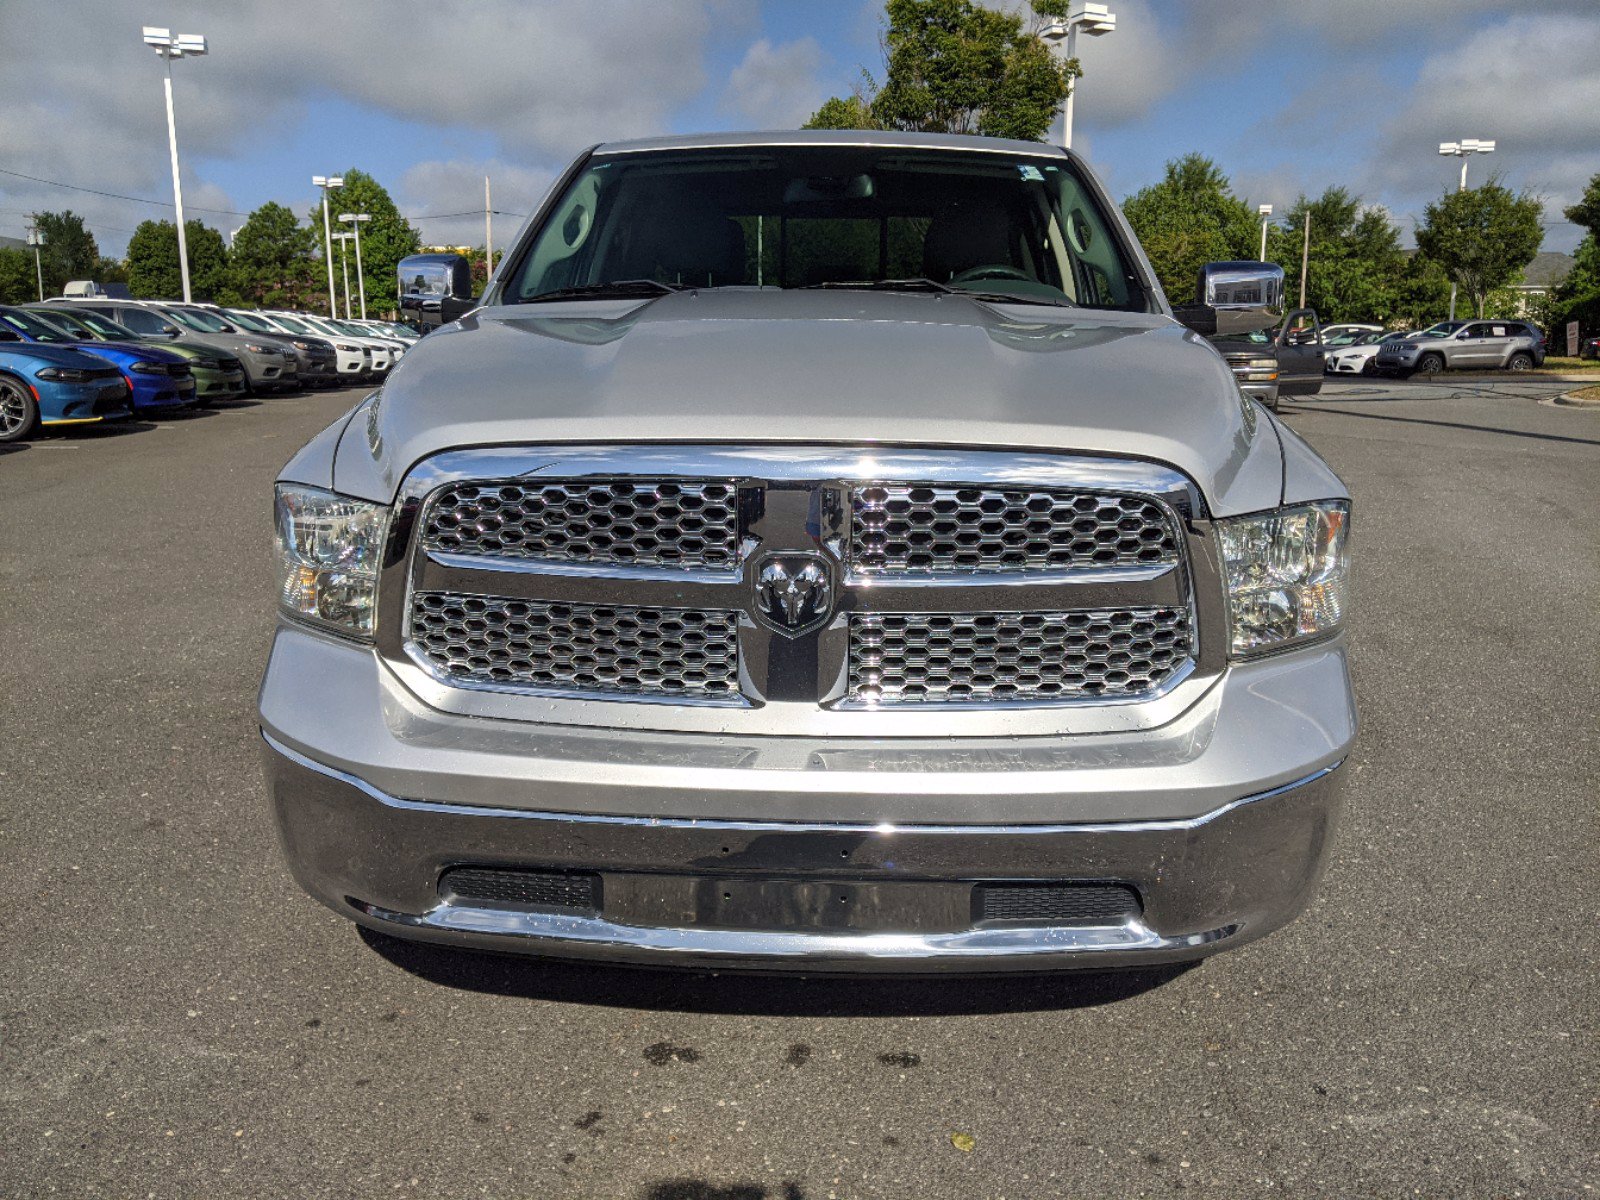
(441, 186)
(541, 79)
(777, 87)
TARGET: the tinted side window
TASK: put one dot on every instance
(141, 320)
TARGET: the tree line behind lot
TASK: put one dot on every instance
(1577, 298)
(69, 252)
(275, 260)
(1482, 238)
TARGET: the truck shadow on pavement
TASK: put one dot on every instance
(745, 993)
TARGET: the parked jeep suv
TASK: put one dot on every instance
(1478, 345)
(816, 551)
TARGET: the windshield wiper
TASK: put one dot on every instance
(923, 284)
(616, 289)
(916, 284)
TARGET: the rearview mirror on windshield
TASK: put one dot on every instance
(1233, 298)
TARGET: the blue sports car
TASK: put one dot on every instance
(55, 385)
(159, 378)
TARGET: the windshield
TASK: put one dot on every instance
(291, 324)
(820, 216)
(246, 321)
(1442, 329)
(104, 326)
(39, 331)
(193, 319)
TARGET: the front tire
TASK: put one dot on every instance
(1369, 367)
(19, 411)
(1520, 362)
(1430, 365)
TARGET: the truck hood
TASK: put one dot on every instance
(837, 367)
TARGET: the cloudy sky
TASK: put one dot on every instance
(1289, 96)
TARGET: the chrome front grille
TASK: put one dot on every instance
(902, 527)
(801, 590)
(585, 648)
(923, 658)
(678, 522)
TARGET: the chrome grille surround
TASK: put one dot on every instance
(912, 527)
(577, 648)
(930, 658)
(688, 522)
(795, 503)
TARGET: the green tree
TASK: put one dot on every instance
(385, 240)
(1189, 219)
(849, 112)
(153, 261)
(952, 66)
(1356, 262)
(273, 260)
(1421, 293)
(1482, 237)
(70, 251)
(18, 284)
(1578, 297)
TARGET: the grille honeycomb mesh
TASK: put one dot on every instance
(686, 523)
(917, 658)
(909, 528)
(577, 647)
(578, 890)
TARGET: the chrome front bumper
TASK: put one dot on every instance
(1206, 884)
(712, 850)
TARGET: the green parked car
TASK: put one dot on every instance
(216, 375)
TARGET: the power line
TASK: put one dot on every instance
(221, 212)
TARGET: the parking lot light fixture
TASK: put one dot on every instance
(327, 183)
(1096, 20)
(1266, 213)
(355, 220)
(1464, 149)
(184, 45)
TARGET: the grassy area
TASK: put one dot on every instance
(1569, 365)
(1587, 393)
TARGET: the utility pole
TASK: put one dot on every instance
(488, 233)
(354, 220)
(1266, 213)
(36, 240)
(1305, 259)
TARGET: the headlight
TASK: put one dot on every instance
(329, 548)
(1256, 370)
(255, 349)
(149, 368)
(348, 349)
(299, 345)
(1287, 573)
(63, 374)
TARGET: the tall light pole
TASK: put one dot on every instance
(1096, 20)
(1266, 212)
(355, 220)
(36, 240)
(1464, 149)
(327, 183)
(190, 45)
(344, 264)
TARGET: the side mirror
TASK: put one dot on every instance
(1234, 297)
(169, 331)
(453, 308)
(226, 328)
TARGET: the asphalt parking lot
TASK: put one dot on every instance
(178, 1019)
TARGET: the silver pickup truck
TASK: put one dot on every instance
(818, 552)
